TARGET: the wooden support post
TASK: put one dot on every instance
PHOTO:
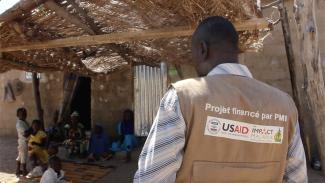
(313, 96)
(70, 85)
(37, 96)
(289, 50)
(294, 75)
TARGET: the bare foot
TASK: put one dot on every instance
(24, 172)
(18, 173)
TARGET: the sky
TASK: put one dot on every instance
(6, 4)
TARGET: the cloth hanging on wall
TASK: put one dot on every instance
(9, 95)
(17, 86)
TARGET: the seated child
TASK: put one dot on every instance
(37, 149)
(54, 174)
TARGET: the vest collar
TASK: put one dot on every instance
(231, 68)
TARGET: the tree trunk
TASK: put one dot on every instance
(38, 98)
(309, 58)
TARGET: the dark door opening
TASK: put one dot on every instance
(82, 101)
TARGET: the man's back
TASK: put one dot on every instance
(234, 124)
(216, 130)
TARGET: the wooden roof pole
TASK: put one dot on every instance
(128, 36)
(15, 25)
(22, 7)
(67, 16)
(125, 52)
(89, 20)
(70, 54)
(92, 29)
(313, 90)
(18, 64)
(25, 66)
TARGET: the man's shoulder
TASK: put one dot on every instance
(275, 90)
(199, 81)
(187, 82)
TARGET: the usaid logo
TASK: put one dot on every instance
(214, 126)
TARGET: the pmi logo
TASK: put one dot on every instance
(214, 126)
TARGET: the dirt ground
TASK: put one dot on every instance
(122, 174)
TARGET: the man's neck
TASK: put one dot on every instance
(225, 60)
(222, 61)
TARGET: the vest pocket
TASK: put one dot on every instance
(212, 172)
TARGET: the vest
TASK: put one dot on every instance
(237, 130)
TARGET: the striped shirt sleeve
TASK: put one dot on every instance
(296, 169)
(162, 154)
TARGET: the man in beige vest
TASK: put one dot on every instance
(224, 127)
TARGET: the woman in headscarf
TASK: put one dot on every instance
(99, 144)
(126, 132)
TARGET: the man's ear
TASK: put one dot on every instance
(204, 51)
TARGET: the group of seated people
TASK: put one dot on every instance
(43, 143)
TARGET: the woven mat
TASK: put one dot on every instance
(83, 173)
(78, 173)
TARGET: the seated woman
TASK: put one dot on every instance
(75, 135)
(127, 140)
(37, 149)
(74, 129)
(99, 144)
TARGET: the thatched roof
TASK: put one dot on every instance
(38, 21)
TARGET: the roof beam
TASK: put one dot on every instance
(253, 24)
(125, 52)
(24, 66)
(67, 16)
(88, 19)
(18, 29)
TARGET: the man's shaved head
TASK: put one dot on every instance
(217, 31)
(214, 42)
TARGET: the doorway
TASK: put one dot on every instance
(82, 101)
